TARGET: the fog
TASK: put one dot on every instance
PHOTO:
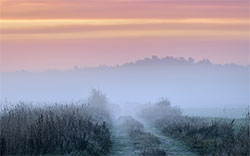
(188, 84)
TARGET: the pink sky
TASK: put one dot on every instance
(59, 34)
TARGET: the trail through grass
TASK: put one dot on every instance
(123, 146)
(172, 146)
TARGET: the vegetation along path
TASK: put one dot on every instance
(123, 145)
(173, 146)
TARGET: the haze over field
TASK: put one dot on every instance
(187, 83)
(124, 77)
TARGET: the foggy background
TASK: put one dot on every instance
(198, 87)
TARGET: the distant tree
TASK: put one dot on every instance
(98, 103)
(163, 102)
(161, 109)
(190, 60)
(97, 99)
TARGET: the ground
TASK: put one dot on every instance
(123, 146)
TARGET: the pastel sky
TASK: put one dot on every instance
(59, 34)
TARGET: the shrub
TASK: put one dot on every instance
(161, 109)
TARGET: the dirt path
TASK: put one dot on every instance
(123, 146)
(172, 146)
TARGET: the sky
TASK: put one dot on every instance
(60, 34)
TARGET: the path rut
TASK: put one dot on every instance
(123, 146)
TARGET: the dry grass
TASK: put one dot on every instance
(56, 129)
(217, 137)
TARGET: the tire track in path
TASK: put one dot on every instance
(123, 145)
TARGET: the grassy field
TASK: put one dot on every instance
(208, 136)
(89, 128)
(58, 129)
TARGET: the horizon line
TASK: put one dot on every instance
(125, 63)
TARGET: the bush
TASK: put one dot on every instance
(98, 105)
(159, 110)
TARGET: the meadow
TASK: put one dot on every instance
(56, 129)
(207, 136)
(90, 128)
